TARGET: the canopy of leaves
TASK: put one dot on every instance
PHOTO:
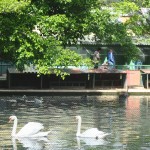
(13, 5)
(37, 31)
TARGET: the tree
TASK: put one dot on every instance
(38, 32)
(22, 45)
(136, 25)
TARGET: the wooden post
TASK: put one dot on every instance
(8, 79)
(41, 83)
(126, 80)
(147, 82)
(93, 83)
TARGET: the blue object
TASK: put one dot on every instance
(110, 59)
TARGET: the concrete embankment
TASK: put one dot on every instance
(74, 92)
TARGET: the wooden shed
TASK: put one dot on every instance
(78, 79)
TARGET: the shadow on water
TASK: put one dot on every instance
(125, 117)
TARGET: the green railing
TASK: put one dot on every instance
(133, 67)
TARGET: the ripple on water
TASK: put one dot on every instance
(127, 121)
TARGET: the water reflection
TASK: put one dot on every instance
(30, 143)
(127, 119)
(133, 108)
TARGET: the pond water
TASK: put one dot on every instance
(126, 118)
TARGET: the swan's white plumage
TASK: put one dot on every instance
(90, 133)
(31, 129)
(91, 141)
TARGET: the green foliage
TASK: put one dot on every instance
(130, 52)
(135, 14)
(23, 46)
(125, 7)
(61, 23)
(106, 29)
(13, 5)
(141, 3)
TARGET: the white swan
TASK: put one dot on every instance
(31, 129)
(90, 133)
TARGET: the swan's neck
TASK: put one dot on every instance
(78, 143)
(79, 128)
(14, 144)
(14, 128)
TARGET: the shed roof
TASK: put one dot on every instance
(72, 71)
(147, 71)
